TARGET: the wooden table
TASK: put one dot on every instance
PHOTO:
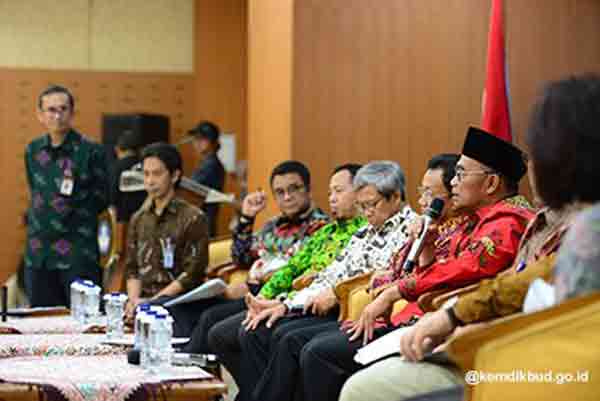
(201, 390)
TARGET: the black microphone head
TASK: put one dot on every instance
(435, 209)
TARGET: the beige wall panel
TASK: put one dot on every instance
(142, 35)
(44, 34)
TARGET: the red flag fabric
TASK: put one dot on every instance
(495, 109)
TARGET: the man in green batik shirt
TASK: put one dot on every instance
(66, 174)
(320, 250)
(324, 245)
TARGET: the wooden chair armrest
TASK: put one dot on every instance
(224, 237)
(343, 290)
(213, 271)
(463, 349)
(226, 271)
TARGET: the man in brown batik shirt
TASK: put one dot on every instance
(167, 243)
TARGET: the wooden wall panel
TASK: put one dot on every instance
(402, 79)
(269, 91)
(221, 79)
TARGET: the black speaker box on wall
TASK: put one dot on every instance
(148, 127)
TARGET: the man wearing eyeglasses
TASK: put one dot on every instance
(66, 175)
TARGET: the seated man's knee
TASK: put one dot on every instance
(356, 388)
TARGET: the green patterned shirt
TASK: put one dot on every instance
(62, 229)
(318, 252)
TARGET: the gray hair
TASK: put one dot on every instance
(386, 176)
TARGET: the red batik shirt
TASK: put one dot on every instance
(485, 245)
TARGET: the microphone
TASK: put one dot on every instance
(431, 214)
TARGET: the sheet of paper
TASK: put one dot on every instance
(539, 296)
(210, 289)
(382, 347)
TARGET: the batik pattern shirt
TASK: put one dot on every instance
(181, 229)
(62, 229)
(370, 249)
(319, 251)
(395, 271)
(485, 245)
(280, 237)
(505, 293)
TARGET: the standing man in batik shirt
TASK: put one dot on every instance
(261, 252)
(66, 174)
(380, 194)
(167, 242)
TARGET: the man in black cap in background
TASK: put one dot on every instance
(210, 171)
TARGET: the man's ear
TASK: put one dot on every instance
(176, 176)
(396, 198)
(493, 184)
(39, 114)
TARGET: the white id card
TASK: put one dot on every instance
(66, 187)
(168, 252)
(168, 259)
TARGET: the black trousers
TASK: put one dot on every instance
(53, 287)
(246, 365)
(327, 361)
(270, 361)
(223, 341)
(195, 319)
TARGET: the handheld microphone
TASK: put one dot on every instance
(432, 213)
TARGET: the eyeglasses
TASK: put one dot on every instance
(461, 174)
(292, 190)
(57, 110)
(371, 205)
(427, 194)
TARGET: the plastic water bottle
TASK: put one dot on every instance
(85, 295)
(76, 299)
(115, 308)
(137, 325)
(91, 302)
(160, 348)
(147, 320)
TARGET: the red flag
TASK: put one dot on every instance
(495, 108)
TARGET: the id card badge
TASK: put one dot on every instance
(168, 251)
(67, 184)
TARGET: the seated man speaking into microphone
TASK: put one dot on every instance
(485, 242)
